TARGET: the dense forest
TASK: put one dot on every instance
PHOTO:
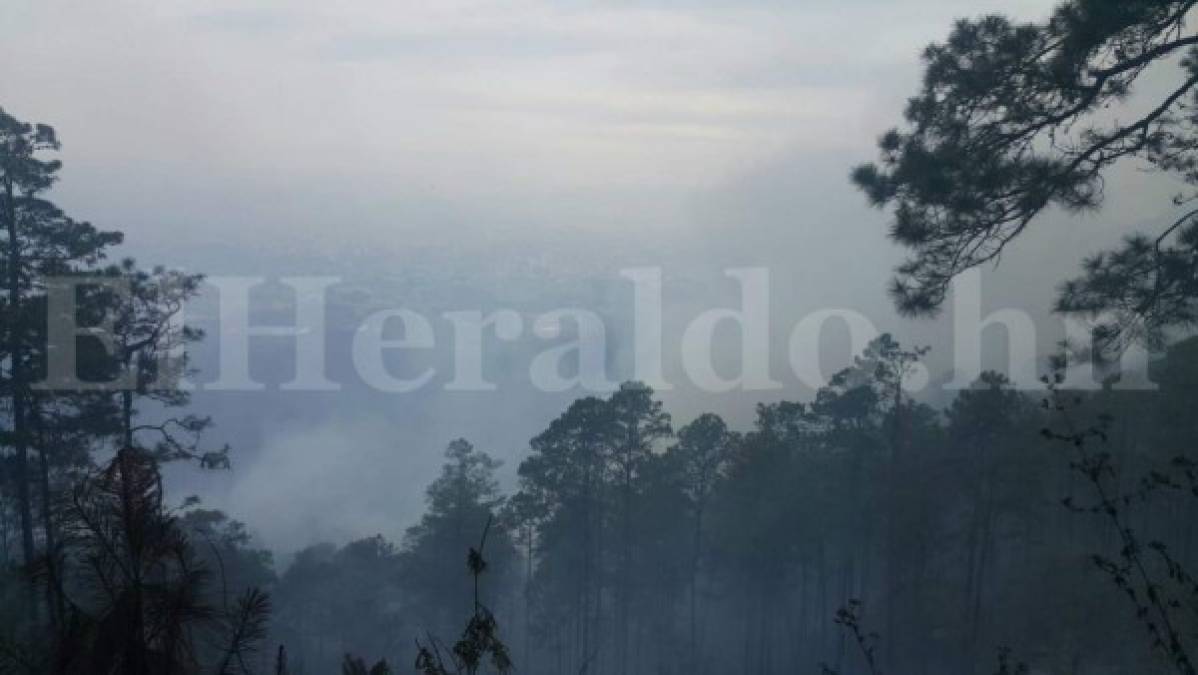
(635, 547)
(861, 530)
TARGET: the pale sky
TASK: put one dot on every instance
(491, 105)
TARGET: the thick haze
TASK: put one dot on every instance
(475, 155)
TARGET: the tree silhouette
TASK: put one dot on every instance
(150, 358)
(701, 454)
(40, 241)
(461, 501)
(138, 597)
(480, 638)
(1011, 120)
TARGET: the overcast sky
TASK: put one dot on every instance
(583, 115)
(508, 152)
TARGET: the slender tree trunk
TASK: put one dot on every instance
(528, 599)
(592, 546)
(975, 625)
(696, 552)
(893, 552)
(18, 382)
(823, 601)
(19, 390)
(625, 593)
(763, 635)
(595, 657)
(979, 535)
(281, 662)
(970, 579)
(917, 597)
(747, 657)
(802, 641)
(127, 417)
(5, 527)
(846, 593)
(135, 646)
(54, 601)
